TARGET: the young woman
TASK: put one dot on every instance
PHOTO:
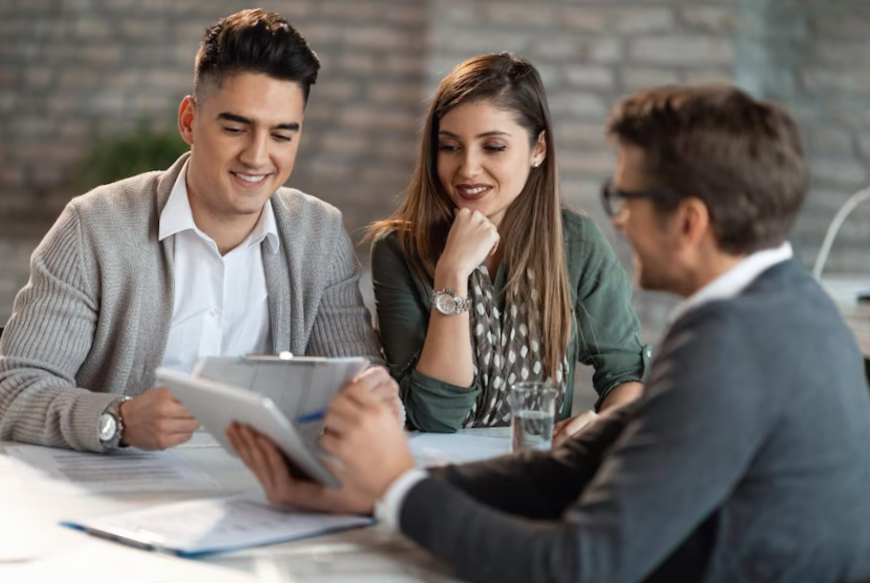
(482, 278)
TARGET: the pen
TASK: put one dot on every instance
(309, 417)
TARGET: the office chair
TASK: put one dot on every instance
(837, 222)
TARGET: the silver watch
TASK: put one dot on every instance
(111, 427)
(449, 303)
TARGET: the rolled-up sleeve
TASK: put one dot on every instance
(608, 330)
(403, 320)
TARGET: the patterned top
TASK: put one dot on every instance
(607, 335)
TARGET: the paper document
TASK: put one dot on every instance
(438, 449)
(124, 471)
(198, 527)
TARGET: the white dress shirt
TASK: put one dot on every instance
(733, 281)
(221, 304)
(727, 285)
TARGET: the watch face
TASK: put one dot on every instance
(107, 428)
(444, 303)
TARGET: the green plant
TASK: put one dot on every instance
(117, 157)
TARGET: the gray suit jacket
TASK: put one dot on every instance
(747, 459)
(93, 321)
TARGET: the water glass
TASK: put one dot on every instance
(533, 414)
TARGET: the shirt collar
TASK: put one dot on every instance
(735, 280)
(177, 217)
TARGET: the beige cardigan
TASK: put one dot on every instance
(93, 321)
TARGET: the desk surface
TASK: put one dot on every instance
(844, 289)
(30, 514)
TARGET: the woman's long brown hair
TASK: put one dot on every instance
(531, 231)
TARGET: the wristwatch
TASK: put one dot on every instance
(111, 426)
(449, 303)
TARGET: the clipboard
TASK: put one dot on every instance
(194, 528)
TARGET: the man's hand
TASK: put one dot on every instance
(572, 426)
(361, 432)
(384, 388)
(266, 462)
(619, 396)
(156, 420)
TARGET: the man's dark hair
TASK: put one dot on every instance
(742, 157)
(254, 41)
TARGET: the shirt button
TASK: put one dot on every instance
(213, 312)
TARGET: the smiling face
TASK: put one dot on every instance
(244, 137)
(484, 157)
(653, 238)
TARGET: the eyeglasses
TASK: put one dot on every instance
(613, 199)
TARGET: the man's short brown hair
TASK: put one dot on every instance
(742, 157)
(254, 41)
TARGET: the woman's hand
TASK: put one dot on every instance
(471, 240)
(265, 461)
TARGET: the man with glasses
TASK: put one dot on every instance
(747, 457)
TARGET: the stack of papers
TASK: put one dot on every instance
(117, 472)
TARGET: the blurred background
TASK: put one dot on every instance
(89, 91)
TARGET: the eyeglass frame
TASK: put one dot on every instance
(609, 193)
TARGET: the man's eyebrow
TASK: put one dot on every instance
(483, 135)
(290, 126)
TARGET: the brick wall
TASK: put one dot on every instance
(74, 69)
(812, 56)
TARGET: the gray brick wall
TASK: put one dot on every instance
(71, 70)
(74, 69)
(813, 57)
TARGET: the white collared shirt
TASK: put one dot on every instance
(221, 304)
(733, 281)
(727, 285)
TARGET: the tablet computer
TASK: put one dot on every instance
(297, 385)
(217, 404)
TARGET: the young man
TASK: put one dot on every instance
(745, 460)
(211, 257)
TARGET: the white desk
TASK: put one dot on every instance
(844, 290)
(30, 512)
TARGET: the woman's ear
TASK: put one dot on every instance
(539, 152)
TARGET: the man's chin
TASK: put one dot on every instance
(646, 281)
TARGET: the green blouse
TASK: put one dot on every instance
(609, 331)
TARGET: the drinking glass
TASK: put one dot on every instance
(533, 414)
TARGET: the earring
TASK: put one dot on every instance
(536, 164)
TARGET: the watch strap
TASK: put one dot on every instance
(114, 409)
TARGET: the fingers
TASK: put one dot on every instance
(374, 379)
(574, 426)
(165, 404)
(385, 389)
(252, 452)
(557, 429)
(173, 426)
